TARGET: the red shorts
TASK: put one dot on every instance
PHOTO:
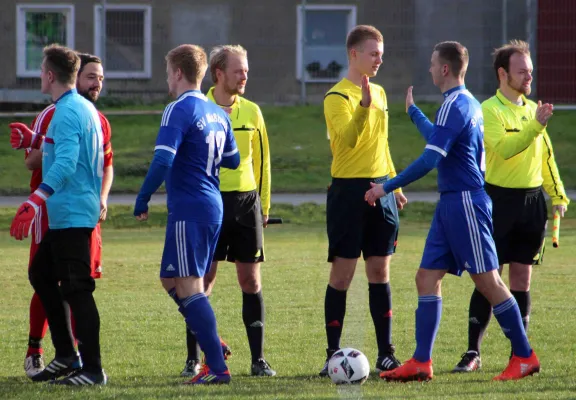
(40, 227)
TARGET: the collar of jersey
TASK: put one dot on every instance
(450, 91)
(234, 105)
(188, 91)
(507, 102)
(65, 94)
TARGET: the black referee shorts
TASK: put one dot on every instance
(520, 217)
(356, 228)
(241, 234)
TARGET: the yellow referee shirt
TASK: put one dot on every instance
(253, 173)
(518, 149)
(358, 135)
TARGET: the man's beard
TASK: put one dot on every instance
(232, 90)
(89, 97)
(520, 88)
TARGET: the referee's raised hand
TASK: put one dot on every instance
(544, 112)
(366, 94)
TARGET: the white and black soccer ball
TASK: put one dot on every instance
(348, 366)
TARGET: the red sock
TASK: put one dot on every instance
(38, 326)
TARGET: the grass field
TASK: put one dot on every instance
(143, 341)
(299, 149)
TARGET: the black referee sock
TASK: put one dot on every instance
(192, 346)
(380, 300)
(524, 304)
(253, 317)
(334, 312)
(479, 316)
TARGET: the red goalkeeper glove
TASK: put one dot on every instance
(22, 137)
(22, 223)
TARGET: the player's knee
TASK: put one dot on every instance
(340, 282)
(35, 280)
(208, 286)
(68, 288)
(427, 282)
(520, 283)
(168, 284)
(251, 285)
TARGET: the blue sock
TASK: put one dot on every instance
(508, 315)
(201, 320)
(428, 315)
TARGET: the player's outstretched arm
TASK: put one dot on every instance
(161, 162)
(419, 168)
(425, 127)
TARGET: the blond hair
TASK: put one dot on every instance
(219, 57)
(190, 59)
(360, 34)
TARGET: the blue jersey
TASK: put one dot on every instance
(72, 163)
(199, 134)
(458, 136)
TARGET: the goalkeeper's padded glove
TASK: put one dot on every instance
(22, 137)
(26, 214)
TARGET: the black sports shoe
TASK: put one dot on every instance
(470, 362)
(388, 361)
(191, 369)
(262, 368)
(58, 367)
(329, 354)
(83, 378)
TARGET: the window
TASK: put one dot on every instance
(125, 45)
(39, 26)
(322, 57)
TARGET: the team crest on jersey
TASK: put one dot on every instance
(473, 122)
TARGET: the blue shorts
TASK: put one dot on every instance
(460, 237)
(188, 249)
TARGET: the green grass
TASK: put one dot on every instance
(300, 151)
(143, 340)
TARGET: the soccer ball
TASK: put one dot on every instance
(348, 366)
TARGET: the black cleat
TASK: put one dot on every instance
(58, 367)
(191, 369)
(387, 362)
(329, 354)
(470, 362)
(262, 368)
(83, 378)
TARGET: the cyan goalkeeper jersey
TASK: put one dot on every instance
(72, 163)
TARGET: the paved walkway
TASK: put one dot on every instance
(278, 198)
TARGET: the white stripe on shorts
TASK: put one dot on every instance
(473, 232)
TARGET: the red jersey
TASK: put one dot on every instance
(40, 125)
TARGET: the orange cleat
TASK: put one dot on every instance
(226, 350)
(207, 377)
(411, 370)
(519, 368)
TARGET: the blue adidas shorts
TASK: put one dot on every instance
(460, 237)
(188, 249)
